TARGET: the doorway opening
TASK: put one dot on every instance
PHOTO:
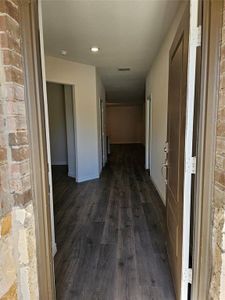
(105, 233)
(60, 119)
(62, 127)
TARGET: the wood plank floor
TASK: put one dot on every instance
(110, 233)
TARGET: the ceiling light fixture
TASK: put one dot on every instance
(94, 49)
(63, 52)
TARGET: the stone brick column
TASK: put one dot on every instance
(18, 271)
(218, 238)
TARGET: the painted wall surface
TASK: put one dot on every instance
(100, 90)
(70, 130)
(157, 86)
(125, 123)
(83, 79)
(57, 123)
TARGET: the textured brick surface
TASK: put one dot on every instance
(13, 127)
(17, 234)
(9, 8)
(18, 138)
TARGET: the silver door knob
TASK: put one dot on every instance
(164, 166)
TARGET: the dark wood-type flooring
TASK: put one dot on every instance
(110, 233)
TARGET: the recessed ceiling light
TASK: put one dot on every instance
(63, 52)
(94, 49)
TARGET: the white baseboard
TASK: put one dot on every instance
(54, 249)
(71, 175)
(87, 178)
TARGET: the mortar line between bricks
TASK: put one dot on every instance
(7, 15)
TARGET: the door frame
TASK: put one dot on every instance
(33, 86)
(189, 160)
(72, 94)
(148, 132)
(102, 132)
(47, 130)
(206, 148)
(72, 87)
(206, 141)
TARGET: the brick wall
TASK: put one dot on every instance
(18, 275)
(217, 290)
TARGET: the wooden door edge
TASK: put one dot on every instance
(211, 37)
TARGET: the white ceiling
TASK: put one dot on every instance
(128, 33)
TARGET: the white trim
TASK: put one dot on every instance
(75, 127)
(150, 134)
(188, 147)
(46, 125)
(147, 134)
(71, 174)
(71, 148)
(87, 178)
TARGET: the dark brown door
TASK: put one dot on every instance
(178, 62)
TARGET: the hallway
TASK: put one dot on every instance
(110, 233)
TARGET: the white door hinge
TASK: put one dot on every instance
(197, 36)
(193, 168)
(188, 275)
(191, 165)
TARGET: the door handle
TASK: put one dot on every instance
(166, 147)
(164, 166)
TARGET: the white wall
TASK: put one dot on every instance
(57, 124)
(100, 95)
(83, 79)
(157, 85)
